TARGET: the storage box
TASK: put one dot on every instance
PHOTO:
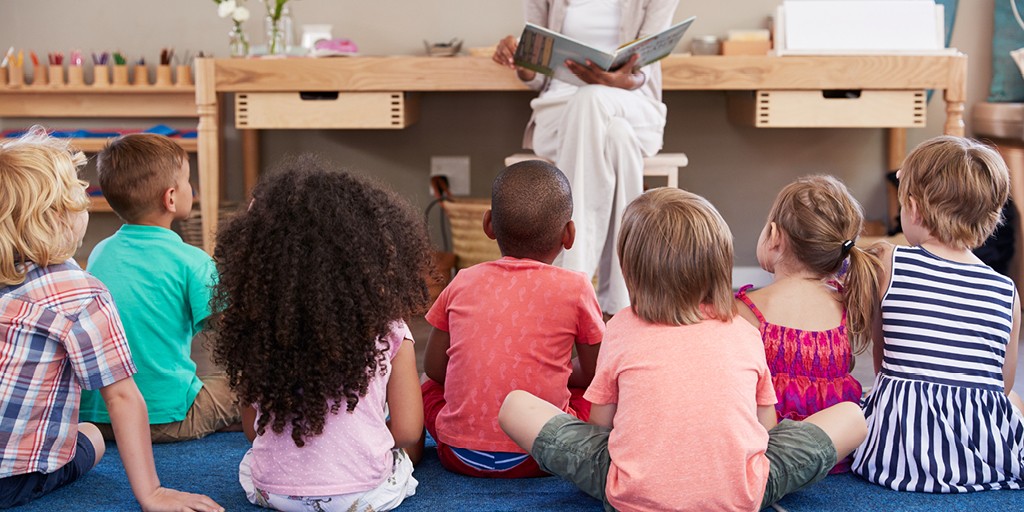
(746, 47)
(829, 109)
(367, 110)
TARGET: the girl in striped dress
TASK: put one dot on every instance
(812, 325)
(942, 416)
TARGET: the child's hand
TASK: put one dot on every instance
(176, 501)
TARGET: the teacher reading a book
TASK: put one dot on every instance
(598, 129)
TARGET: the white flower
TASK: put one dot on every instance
(240, 15)
(225, 8)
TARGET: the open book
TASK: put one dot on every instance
(545, 51)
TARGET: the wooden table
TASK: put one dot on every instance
(425, 74)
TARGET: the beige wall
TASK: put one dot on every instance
(737, 168)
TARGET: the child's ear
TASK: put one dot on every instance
(568, 235)
(774, 236)
(915, 214)
(167, 201)
(488, 228)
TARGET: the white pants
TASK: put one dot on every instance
(387, 496)
(598, 137)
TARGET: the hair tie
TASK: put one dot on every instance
(847, 245)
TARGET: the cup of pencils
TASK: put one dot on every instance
(101, 70)
(141, 73)
(56, 60)
(163, 70)
(76, 75)
(3, 66)
(15, 65)
(120, 76)
(40, 73)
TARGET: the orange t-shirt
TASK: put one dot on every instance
(685, 433)
(513, 323)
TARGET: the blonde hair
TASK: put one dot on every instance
(821, 222)
(39, 195)
(960, 187)
(134, 171)
(676, 253)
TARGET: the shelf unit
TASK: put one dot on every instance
(36, 103)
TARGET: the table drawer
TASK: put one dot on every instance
(829, 109)
(365, 110)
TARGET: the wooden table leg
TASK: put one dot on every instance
(209, 150)
(897, 150)
(250, 159)
(955, 96)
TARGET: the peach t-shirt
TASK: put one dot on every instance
(513, 323)
(685, 433)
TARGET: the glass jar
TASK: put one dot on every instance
(705, 45)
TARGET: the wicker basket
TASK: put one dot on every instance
(469, 243)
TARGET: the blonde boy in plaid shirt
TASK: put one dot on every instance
(61, 333)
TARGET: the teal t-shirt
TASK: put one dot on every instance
(161, 287)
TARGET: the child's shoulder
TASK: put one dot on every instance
(62, 286)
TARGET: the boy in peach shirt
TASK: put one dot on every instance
(511, 324)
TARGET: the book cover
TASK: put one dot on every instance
(546, 51)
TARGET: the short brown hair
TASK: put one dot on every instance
(960, 187)
(676, 253)
(134, 171)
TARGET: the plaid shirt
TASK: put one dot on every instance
(60, 333)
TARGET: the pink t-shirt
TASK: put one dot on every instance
(513, 323)
(352, 455)
(685, 432)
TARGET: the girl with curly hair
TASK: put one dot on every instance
(315, 280)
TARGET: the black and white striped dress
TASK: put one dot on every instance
(938, 420)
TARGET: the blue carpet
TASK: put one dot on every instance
(210, 466)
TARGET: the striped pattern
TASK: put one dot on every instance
(489, 461)
(938, 420)
(60, 333)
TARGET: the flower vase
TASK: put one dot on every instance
(238, 42)
(279, 32)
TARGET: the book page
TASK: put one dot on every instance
(545, 51)
(654, 47)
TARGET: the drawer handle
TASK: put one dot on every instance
(841, 94)
(319, 95)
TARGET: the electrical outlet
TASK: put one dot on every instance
(456, 168)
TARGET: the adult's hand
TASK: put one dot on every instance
(504, 54)
(626, 77)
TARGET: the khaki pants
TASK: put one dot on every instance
(214, 408)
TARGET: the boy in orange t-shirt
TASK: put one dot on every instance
(683, 411)
(511, 324)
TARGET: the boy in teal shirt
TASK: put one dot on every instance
(161, 287)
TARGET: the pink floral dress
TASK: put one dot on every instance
(810, 369)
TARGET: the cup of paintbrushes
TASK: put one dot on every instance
(3, 76)
(120, 74)
(100, 75)
(182, 76)
(16, 75)
(163, 75)
(141, 75)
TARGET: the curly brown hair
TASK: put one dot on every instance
(311, 277)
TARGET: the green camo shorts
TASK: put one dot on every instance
(576, 451)
(800, 453)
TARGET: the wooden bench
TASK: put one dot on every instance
(664, 165)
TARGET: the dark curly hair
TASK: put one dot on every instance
(310, 279)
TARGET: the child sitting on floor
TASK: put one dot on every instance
(511, 324)
(683, 413)
(811, 325)
(161, 286)
(941, 415)
(61, 334)
(316, 279)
